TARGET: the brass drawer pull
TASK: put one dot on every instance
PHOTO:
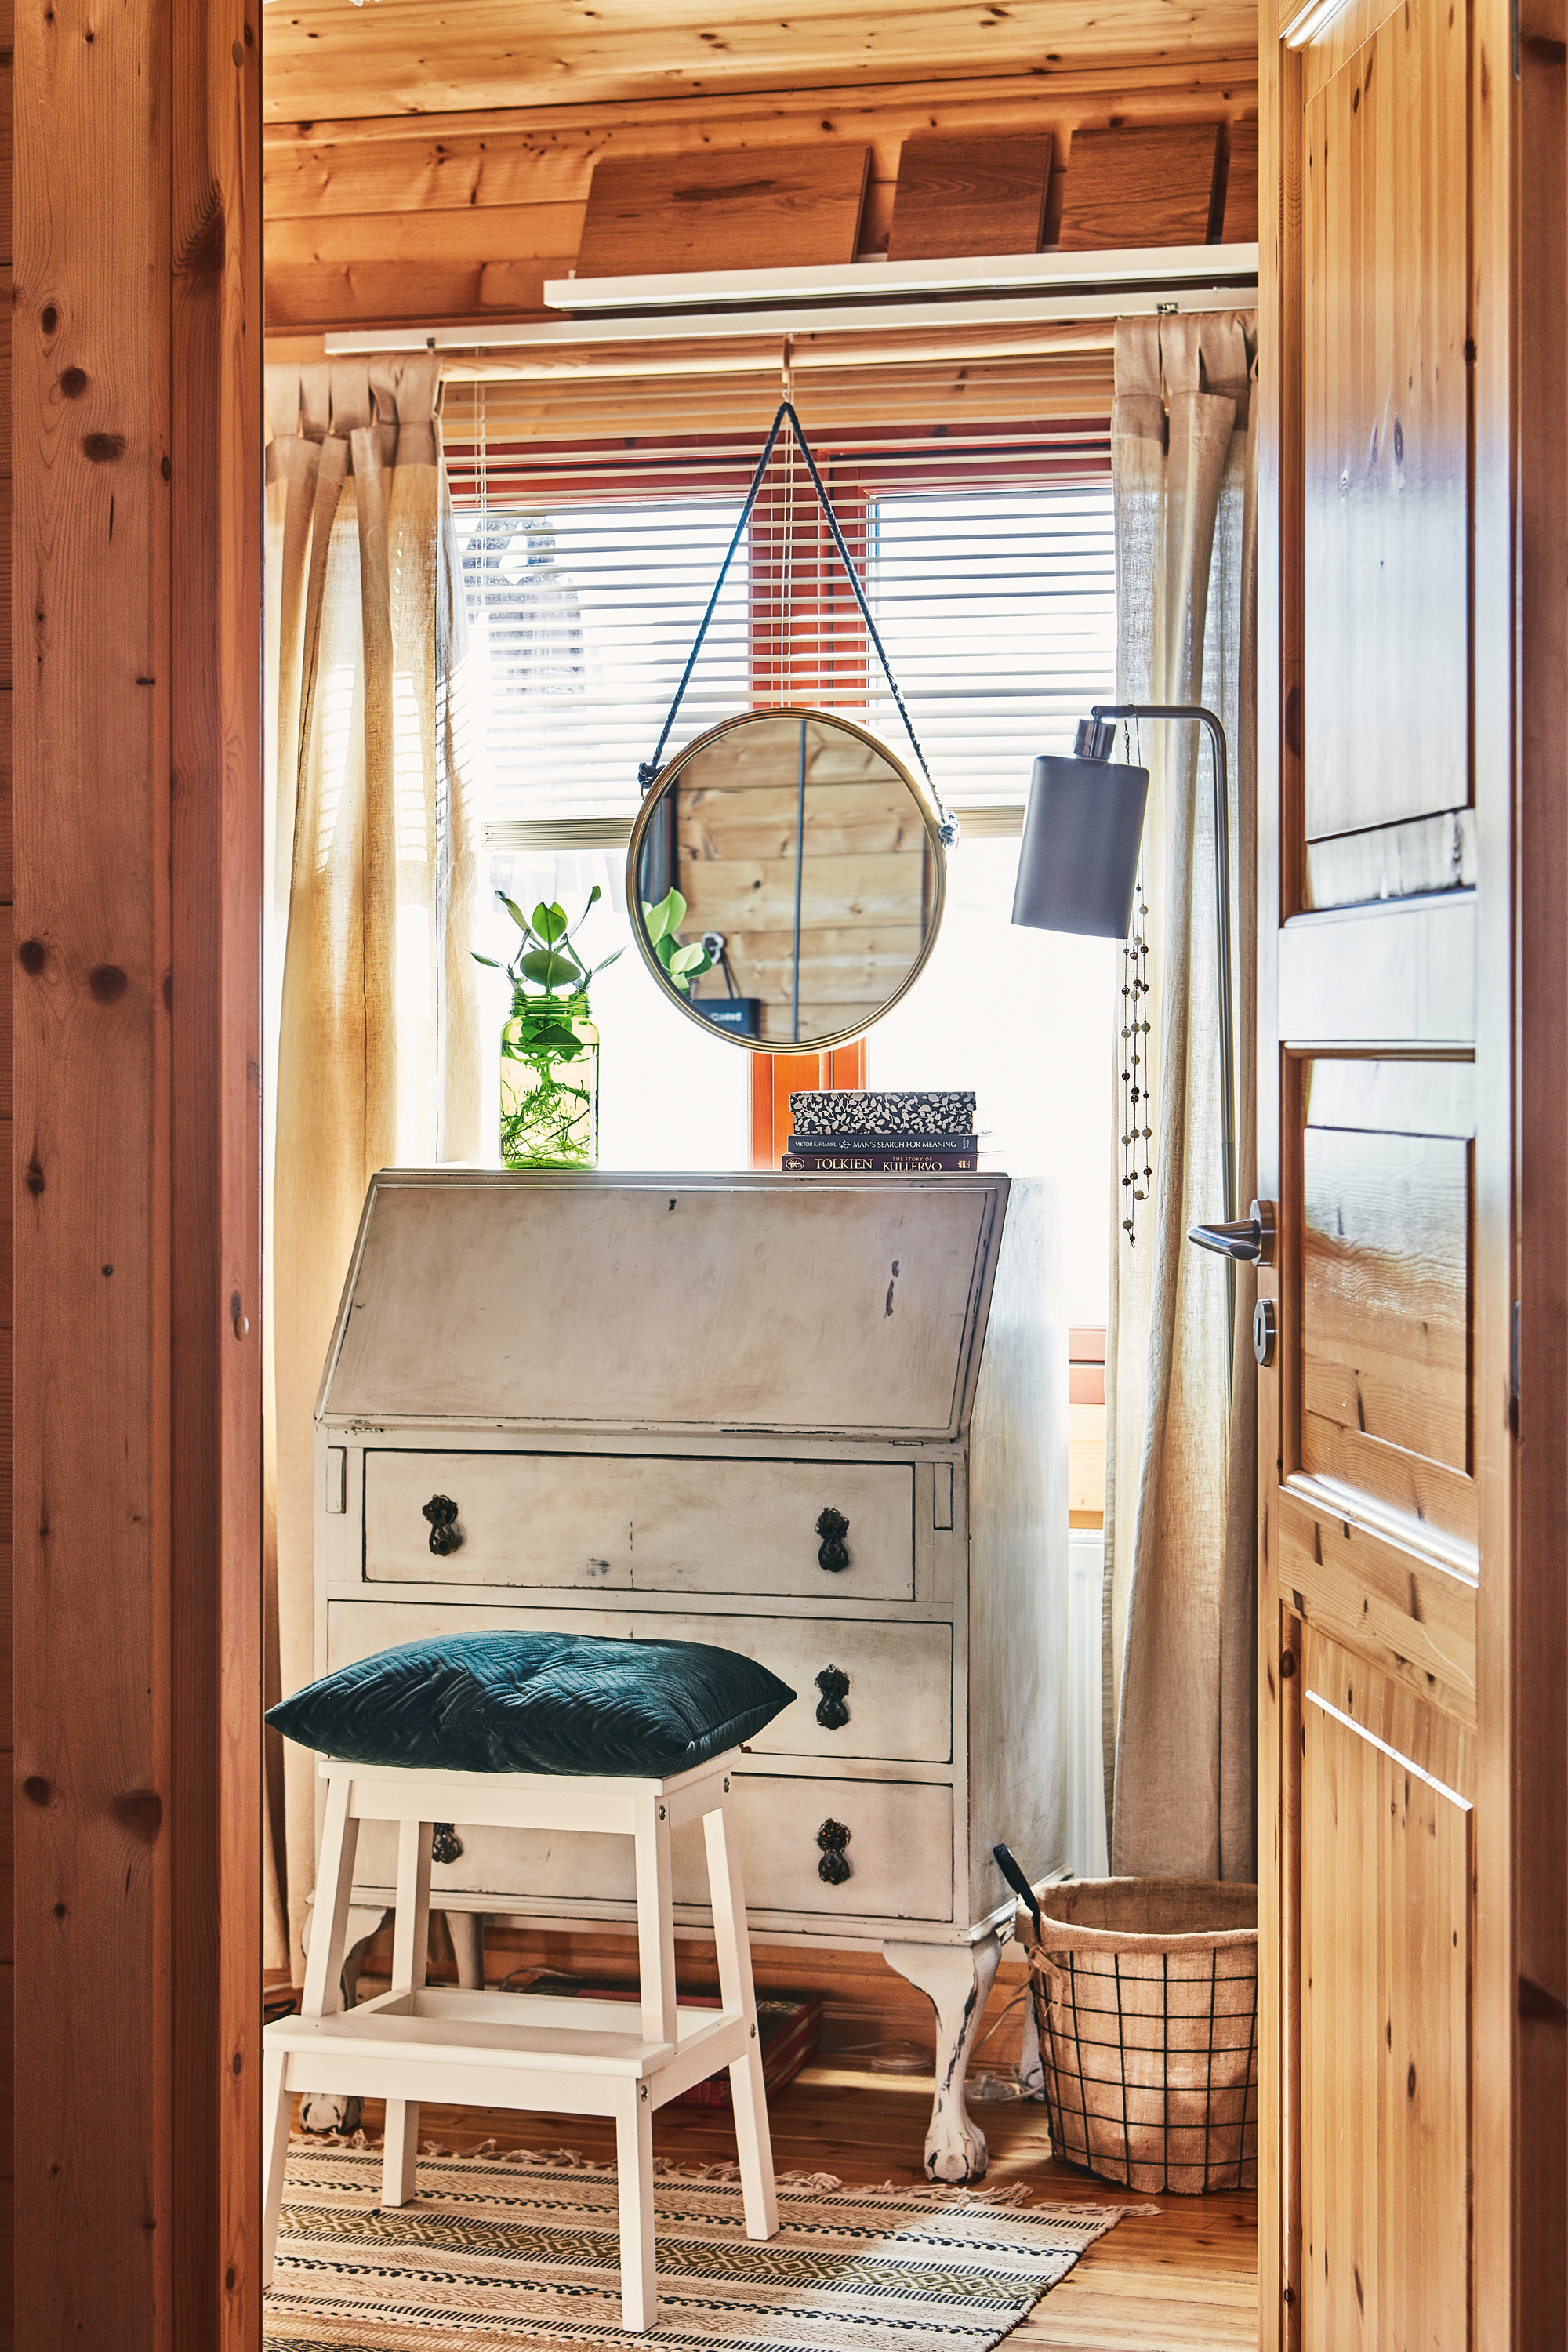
(446, 1536)
(833, 1554)
(834, 1868)
(834, 1684)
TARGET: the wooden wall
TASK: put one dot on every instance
(374, 220)
(136, 1683)
(8, 2004)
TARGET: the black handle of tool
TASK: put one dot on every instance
(1007, 1864)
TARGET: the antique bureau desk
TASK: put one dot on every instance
(645, 1405)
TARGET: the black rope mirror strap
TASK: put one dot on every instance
(648, 771)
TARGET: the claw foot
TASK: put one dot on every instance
(956, 1979)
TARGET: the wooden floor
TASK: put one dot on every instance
(1185, 2276)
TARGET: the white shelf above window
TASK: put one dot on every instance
(1148, 267)
(991, 290)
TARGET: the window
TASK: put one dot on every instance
(989, 562)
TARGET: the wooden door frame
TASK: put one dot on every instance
(1519, 466)
(138, 801)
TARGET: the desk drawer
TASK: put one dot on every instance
(900, 1852)
(640, 1523)
(899, 1705)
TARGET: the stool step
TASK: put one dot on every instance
(516, 2032)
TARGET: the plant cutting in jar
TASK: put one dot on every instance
(662, 924)
(549, 1047)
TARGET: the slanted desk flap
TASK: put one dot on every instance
(768, 1303)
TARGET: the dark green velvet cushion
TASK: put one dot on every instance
(536, 1703)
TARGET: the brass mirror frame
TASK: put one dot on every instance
(670, 773)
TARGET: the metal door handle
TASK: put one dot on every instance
(1249, 1241)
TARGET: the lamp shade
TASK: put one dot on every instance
(1078, 863)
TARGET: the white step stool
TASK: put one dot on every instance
(517, 2050)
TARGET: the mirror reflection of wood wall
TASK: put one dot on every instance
(865, 881)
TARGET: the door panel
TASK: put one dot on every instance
(1387, 584)
(1372, 975)
(1386, 1307)
(1386, 1867)
(1427, 854)
(1385, 1291)
(1384, 1002)
(1413, 1619)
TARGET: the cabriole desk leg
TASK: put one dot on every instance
(956, 1979)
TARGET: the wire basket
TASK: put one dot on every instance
(1145, 1993)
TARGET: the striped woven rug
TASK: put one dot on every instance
(523, 2249)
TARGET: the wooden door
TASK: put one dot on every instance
(1386, 1126)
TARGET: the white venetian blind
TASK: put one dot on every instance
(595, 511)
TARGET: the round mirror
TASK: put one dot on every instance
(786, 879)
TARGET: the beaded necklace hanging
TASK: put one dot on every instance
(1137, 1095)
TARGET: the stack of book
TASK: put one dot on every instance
(882, 1135)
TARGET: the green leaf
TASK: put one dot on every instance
(514, 910)
(677, 905)
(656, 922)
(490, 959)
(551, 968)
(595, 895)
(609, 960)
(550, 922)
(688, 961)
(664, 948)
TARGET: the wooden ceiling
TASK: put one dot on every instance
(331, 60)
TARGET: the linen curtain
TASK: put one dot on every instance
(1181, 1465)
(372, 1003)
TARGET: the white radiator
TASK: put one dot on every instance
(1086, 1847)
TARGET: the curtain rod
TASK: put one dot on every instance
(815, 321)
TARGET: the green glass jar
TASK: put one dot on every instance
(549, 1084)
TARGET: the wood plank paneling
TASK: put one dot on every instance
(1393, 861)
(5, 776)
(514, 53)
(1386, 1290)
(1385, 1967)
(1150, 185)
(137, 804)
(1396, 972)
(470, 165)
(1387, 421)
(753, 208)
(1241, 185)
(373, 293)
(1418, 1623)
(863, 965)
(854, 820)
(838, 891)
(426, 160)
(984, 194)
(1522, 2055)
(437, 243)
